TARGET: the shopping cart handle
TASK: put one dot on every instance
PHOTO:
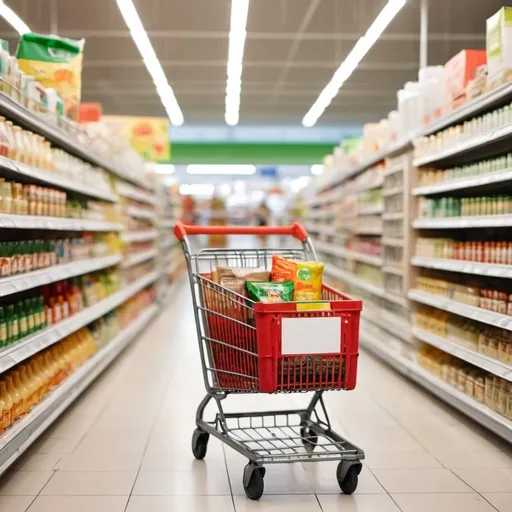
(296, 230)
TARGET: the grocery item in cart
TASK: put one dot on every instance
(306, 276)
(270, 292)
(234, 278)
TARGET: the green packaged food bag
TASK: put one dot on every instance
(56, 63)
(270, 292)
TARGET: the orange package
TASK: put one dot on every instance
(306, 276)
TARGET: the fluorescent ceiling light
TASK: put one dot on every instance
(221, 169)
(13, 19)
(197, 189)
(317, 169)
(165, 169)
(141, 40)
(237, 33)
(353, 59)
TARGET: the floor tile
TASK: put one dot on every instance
(37, 462)
(103, 483)
(180, 504)
(501, 501)
(15, 503)
(79, 504)
(24, 483)
(82, 461)
(54, 445)
(442, 503)
(169, 483)
(278, 503)
(357, 503)
(182, 462)
(420, 481)
(325, 482)
(473, 459)
(497, 480)
(401, 460)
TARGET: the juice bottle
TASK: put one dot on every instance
(42, 314)
(29, 311)
(27, 385)
(34, 375)
(23, 391)
(15, 396)
(3, 328)
(5, 260)
(6, 418)
(22, 320)
(12, 324)
(35, 363)
(27, 255)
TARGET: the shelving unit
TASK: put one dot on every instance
(9, 221)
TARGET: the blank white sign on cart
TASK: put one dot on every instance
(310, 335)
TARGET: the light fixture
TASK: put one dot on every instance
(246, 170)
(141, 40)
(347, 67)
(237, 35)
(317, 169)
(13, 19)
(197, 189)
(165, 169)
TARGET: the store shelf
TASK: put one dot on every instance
(352, 280)
(130, 192)
(372, 210)
(139, 236)
(464, 267)
(387, 192)
(25, 431)
(484, 221)
(371, 186)
(8, 221)
(392, 242)
(462, 402)
(484, 145)
(390, 269)
(369, 231)
(470, 356)
(168, 243)
(393, 216)
(28, 280)
(62, 139)
(349, 255)
(20, 351)
(140, 213)
(488, 101)
(392, 170)
(321, 229)
(140, 257)
(21, 172)
(503, 176)
(461, 309)
(167, 223)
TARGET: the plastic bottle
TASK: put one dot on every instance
(22, 320)
(29, 311)
(6, 418)
(12, 325)
(4, 66)
(16, 397)
(3, 328)
(42, 314)
(23, 391)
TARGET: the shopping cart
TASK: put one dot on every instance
(249, 347)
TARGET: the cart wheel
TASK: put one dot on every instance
(199, 443)
(253, 481)
(348, 484)
(309, 438)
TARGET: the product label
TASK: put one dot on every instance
(23, 325)
(5, 266)
(14, 330)
(14, 265)
(3, 334)
(20, 260)
(31, 322)
(49, 316)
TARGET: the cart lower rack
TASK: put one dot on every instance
(248, 347)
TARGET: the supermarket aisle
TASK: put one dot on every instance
(125, 446)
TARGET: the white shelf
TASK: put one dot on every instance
(393, 216)
(167, 243)
(59, 137)
(461, 309)
(8, 221)
(392, 191)
(140, 257)
(167, 223)
(352, 280)
(20, 351)
(390, 269)
(18, 170)
(463, 183)
(462, 402)
(139, 236)
(371, 186)
(464, 267)
(322, 229)
(392, 242)
(24, 432)
(130, 192)
(484, 221)
(372, 210)
(392, 170)
(28, 280)
(470, 356)
(350, 255)
(140, 213)
(369, 231)
(465, 145)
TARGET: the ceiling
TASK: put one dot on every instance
(292, 49)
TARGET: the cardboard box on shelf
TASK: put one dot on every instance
(499, 47)
(459, 71)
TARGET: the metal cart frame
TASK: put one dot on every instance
(269, 437)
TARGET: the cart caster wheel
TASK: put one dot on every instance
(309, 438)
(199, 443)
(253, 481)
(348, 478)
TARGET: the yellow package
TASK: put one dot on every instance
(56, 63)
(306, 276)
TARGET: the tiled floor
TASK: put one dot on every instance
(125, 445)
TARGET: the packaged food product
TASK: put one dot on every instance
(306, 276)
(269, 291)
(234, 278)
(56, 63)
